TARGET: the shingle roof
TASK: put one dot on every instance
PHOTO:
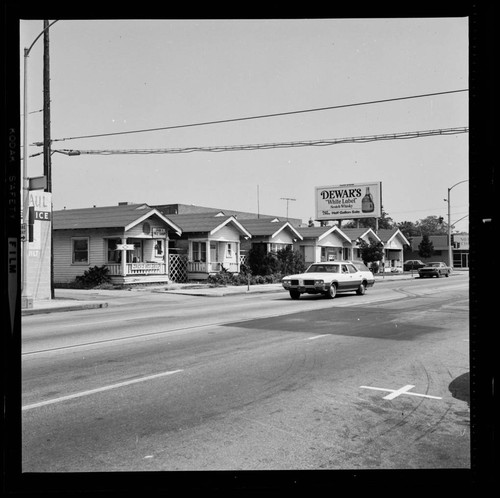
(385, 234)
(120, 216)
(202, 222)
(356, 233)
(264, 226)
(317, 232)
(182, 209)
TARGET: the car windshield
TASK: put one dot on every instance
(361, 266)
(323, 269)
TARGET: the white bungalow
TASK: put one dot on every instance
(327, 243)
(131, 240)
(273, 233)
(211, 242)
(394, 242)
(351, 249)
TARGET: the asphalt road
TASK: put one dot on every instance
(251, 382)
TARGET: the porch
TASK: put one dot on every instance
(393, 261)
(148, 272)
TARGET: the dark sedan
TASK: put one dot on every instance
(413, 264)
(434, 269)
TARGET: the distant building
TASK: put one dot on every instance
(168, 209)
(459, 246)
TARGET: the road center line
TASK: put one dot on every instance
(98, 390)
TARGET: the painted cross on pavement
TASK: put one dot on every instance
(398, 392)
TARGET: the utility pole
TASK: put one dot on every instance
(47, 160)
(287, 199)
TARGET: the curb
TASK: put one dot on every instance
(69, 307)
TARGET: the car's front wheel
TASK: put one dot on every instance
(294, 294)
(331, 292)
(361, 290)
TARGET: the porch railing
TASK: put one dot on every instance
(212, 267)
(115, 269)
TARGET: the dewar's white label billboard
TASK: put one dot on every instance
(350, 201)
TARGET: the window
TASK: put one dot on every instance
(229, 250)
(80, 250)
(352, 269)
(344, 269)
(275, 247)
(159, 248)
(199, 252)
(114, 256)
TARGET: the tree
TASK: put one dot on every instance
(432, 225)
(372, 252)
(408, 229)
(384, 222)
(290, 261)
(426, 247)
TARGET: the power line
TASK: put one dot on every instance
(279, 145)
(262, 116)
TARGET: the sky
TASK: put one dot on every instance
(115, 76)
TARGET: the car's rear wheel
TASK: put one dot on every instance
(331, 292)
(294, 294)
(361, 290)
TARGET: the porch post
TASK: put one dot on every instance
(124, 258)
(237, 257)
(166, 255)
(208, 250)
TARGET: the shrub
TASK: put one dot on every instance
(93, 277)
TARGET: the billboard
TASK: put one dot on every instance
(349, 201)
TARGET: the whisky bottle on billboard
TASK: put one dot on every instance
(367, 204)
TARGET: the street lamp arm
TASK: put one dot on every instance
(28, 50)
(463, 181)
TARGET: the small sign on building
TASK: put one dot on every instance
(125, 247)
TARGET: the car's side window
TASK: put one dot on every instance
(351, 269)
(344, 269)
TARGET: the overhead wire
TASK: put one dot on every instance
(278, 145)
(261, 116)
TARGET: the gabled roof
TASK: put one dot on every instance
(321, 232)
(386, 235)
(206, 223)
(269, 227)
(355, 233)
(121, 216)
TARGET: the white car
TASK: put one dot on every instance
(329, 279)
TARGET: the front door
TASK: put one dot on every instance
(214, 256)
(214, 252)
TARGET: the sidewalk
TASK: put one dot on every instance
(88, 299)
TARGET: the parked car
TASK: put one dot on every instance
(329, 279)
(434, 269)
(413, 264)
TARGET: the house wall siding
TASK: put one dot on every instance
(226, 233)
(65, 270)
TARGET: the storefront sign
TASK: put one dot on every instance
(350, 201)
(460, 241)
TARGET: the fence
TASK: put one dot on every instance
(178, 268)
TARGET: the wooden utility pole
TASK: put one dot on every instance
(47, 160)
(46, 108)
